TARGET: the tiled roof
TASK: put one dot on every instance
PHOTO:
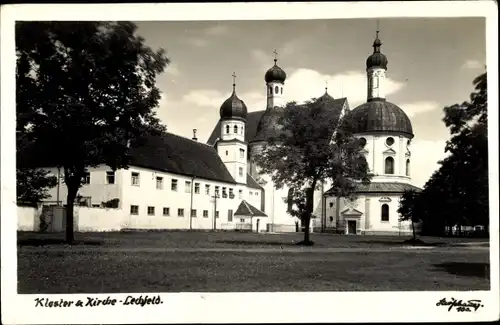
(253, 183)
(253, 119)
(179, 155)
(383, 187)
(246, 209)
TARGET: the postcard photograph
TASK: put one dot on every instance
(341, 155)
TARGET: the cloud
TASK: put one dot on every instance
(197, 42)
(473, 64)
(172, 70)
(216, 30)
(303, 84)
(425, 155)
(412, 109)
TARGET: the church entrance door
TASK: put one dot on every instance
(351, 227)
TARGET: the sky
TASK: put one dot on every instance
(432, 62)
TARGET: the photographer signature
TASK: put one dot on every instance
(461, 306)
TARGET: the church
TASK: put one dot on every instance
(179, 183)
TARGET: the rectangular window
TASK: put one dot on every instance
(134, 209)
(180, 212)
(231, 193)
(86, 178)
(197, 188)
(224, 193)
(240, 194)
(187, 187)
(151, 211)
(216, 214)
(229, 215)
(240, 171)
(217, 191)
(256, 193)
(207, 189)
(173, 186)
(166, 212)
(242, 153)
(193, 213)
(159, 183)
(242, 220)
(205, 213)
(110, 177)
(250, 192)
(135, 179)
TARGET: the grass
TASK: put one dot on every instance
(135, 262)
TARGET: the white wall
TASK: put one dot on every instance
(229, 152)
(98, 219)
(28, 218)
(376, 150)
(98, 189)
(146, 194)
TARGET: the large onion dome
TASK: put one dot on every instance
(381, 116)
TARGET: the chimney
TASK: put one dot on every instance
(194, 135)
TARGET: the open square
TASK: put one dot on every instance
(246, 262)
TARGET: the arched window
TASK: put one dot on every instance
(389, 165)
(227, 129)
(282, 90)
(270, 90)
(407, 167)
(236, 129)
(385, 212)
(241, 130)
(276, 89)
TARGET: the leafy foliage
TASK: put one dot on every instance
(408, 208)
(85, 90)
(33, 185)
(312, 146)
(457, 194)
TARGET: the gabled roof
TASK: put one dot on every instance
(382, 187)
(253, 183)
(245, 209)
(179, 155)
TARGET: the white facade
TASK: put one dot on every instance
(275, 96)
(159, 200)
(376, 82)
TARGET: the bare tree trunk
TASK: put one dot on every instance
(70, 203)
(413, 228)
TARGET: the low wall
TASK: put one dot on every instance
(98, 219)
(28, 218)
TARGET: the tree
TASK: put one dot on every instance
(85, 91)
(457, 194)
(408, 209)
(312, 146)
(33, 185)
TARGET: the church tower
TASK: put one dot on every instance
(275, 81)
(232, 147)
(376, 70)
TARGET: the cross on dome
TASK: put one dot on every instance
(234, 81)
(275, 56)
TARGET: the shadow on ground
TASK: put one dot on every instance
(253, 243)
(480, 270)
(46, 242)
(406, 242)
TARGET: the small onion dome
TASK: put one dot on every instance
(233, 108)
(381, 116)
(377, 59)
(325, 97)
(275, 74)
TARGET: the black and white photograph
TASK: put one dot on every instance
(327, 150)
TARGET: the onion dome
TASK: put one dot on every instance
(325, 97)
(377, 59)
(268, 125)
(275, 73)
(381, 116)
(233, 108)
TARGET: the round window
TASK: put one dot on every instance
(362, 142)
(389, 141)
